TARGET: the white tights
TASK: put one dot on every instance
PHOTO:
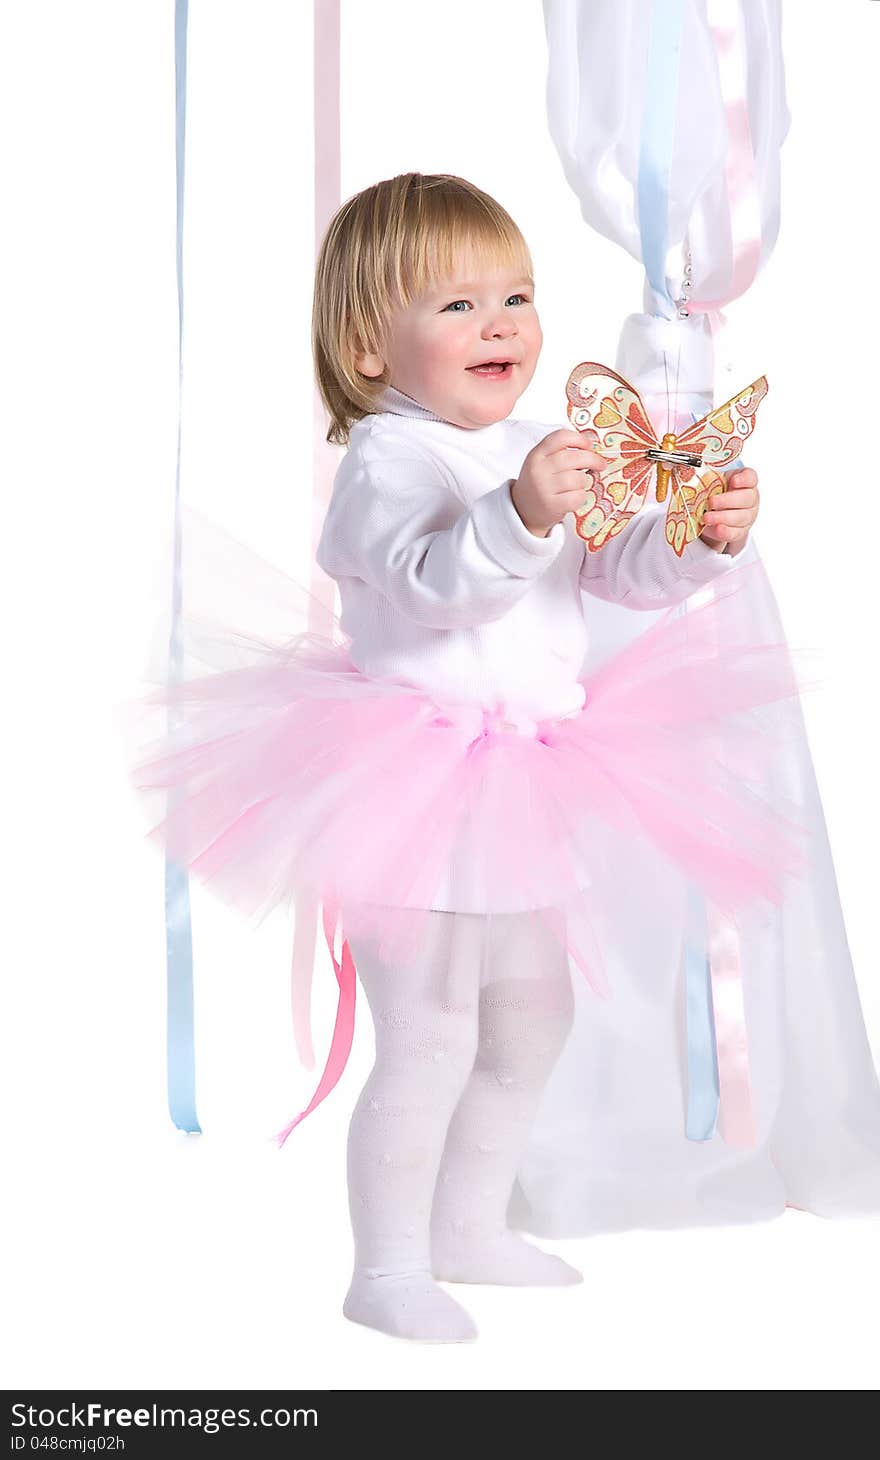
(467, 1032)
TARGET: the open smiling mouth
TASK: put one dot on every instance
(492, 370)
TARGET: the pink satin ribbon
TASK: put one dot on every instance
(741, 176)
(343, 1028)
(326, 118)
(734, 1078)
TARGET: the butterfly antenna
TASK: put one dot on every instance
(666, 372)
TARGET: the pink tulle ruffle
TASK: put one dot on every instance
(293, 771)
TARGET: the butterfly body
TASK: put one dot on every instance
(663, 471)
(610, 413)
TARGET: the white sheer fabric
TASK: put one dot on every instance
(596, 82)
(608, 1149)
(596, 88)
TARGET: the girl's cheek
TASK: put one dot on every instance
(448, 347)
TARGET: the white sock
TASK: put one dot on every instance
(407, 1305)
(425, 1015)
(525, 1014)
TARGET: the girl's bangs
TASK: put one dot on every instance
(460, 248)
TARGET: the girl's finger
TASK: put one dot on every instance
(738, 517)
(571, 500)
(744, 497)
(567, 502)
(580, 459)
(743, 477)
(722, 533)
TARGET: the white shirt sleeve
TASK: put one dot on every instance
(639, 569)
(395, 523)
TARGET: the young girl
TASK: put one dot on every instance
(441, 772)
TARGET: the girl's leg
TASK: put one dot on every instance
(425, 1014)
(526, 1011)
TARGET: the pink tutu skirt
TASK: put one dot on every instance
(284, 771)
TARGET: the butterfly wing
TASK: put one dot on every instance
(612, 501)
(609, 413)
(688, 504)
(719, 436)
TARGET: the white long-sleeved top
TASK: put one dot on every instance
(443, 587)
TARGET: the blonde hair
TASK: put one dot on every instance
(384, 247)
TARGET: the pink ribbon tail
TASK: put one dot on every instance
(740, 167)
(343, 1029)
(322, 589)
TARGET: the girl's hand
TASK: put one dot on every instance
(553, 480)
(732, 513)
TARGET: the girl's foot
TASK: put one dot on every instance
(407, 1305)
(505, 1258)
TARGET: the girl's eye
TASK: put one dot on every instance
(466, 301)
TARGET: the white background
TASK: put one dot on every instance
(141, 1256)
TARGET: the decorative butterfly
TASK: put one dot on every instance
(610, 414)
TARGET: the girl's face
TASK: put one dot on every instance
(461, 323)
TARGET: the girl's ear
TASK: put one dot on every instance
(367, 362)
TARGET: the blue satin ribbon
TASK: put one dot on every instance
(702, 1056)
(655, 167)
(704, 1090)
(656, 146)
(178, 917)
